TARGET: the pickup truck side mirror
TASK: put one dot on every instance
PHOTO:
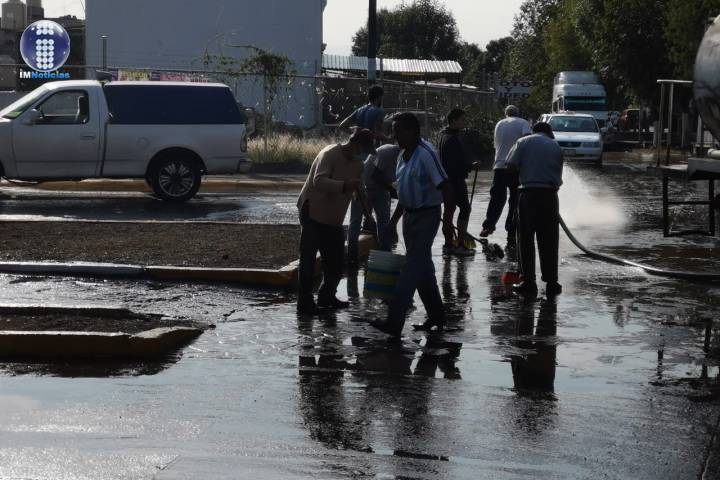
(33, 117)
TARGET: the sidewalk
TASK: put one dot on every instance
(210, 184)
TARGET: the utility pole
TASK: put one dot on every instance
(372, 42)
(104, 52)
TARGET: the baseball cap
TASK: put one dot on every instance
(365, 137)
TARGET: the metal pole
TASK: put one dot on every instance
(104, 52)
(700, 140)
(659, 125)
(425, 101)
(670, 118)
(665, 205)
(711, 213)
(372, 42)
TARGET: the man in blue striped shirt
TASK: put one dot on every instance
(422, 187)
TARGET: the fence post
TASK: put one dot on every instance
(425, 101)
(265, 115)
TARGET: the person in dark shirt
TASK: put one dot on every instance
(453, 161)
(370, 116)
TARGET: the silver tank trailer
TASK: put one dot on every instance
(707, 78)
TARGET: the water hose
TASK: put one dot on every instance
(693, 276)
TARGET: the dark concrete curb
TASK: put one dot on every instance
(148, 344)
(155, 342)
(284, 277)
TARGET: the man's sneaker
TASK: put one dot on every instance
(428, 325)
(448, 249)
(526, 287)
(486, 232)
(553, 289)
(332, 303)
(461, 251)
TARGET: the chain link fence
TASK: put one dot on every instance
(309, 106)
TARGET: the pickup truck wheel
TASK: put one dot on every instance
(175, 179)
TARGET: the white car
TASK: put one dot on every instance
(578, 135)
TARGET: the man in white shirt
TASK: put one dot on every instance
(508, 131)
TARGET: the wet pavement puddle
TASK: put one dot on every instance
(616, 377)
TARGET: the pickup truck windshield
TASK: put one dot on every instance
(19, 107)
(573, 124)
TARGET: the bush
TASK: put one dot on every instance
(287, 148)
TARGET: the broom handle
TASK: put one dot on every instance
(472, 196)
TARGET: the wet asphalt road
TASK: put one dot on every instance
(29, 204)
(615, 379)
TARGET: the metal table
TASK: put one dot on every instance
(697, 169)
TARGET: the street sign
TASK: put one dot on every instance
(513, 88)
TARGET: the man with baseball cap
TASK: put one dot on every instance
(334, 179)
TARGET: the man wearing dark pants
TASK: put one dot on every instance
(508, 131)
(334, 178)
(453, 161)
(378, 177)
(422, 187)
(539, 161)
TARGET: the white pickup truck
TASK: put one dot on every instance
(167, 133)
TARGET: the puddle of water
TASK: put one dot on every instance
(594, 384)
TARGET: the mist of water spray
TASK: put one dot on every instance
(582, 207)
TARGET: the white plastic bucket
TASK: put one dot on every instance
(383, 272)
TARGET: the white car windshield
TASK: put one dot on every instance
(17, 108)
(573, 124)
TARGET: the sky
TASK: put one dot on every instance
(58, 8)
(479, 21)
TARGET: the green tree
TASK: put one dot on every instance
(421, 29)
(275, 71)
(565, 46)
(684, 30)
(496, 52)
(630, 47)
(471, 59)
(529, 56)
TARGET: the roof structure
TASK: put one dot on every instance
(392, 65)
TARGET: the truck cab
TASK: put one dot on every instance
(580, 92)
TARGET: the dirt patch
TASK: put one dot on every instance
(35, 319)
(159, 244)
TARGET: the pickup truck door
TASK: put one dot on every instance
(64, 142)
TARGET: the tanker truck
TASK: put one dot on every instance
(707, 95)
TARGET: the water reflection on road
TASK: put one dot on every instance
(617, 377)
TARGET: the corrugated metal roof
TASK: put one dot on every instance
(391, 65)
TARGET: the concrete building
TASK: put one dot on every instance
(35, 11)
(174, 34)
(14, 16)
